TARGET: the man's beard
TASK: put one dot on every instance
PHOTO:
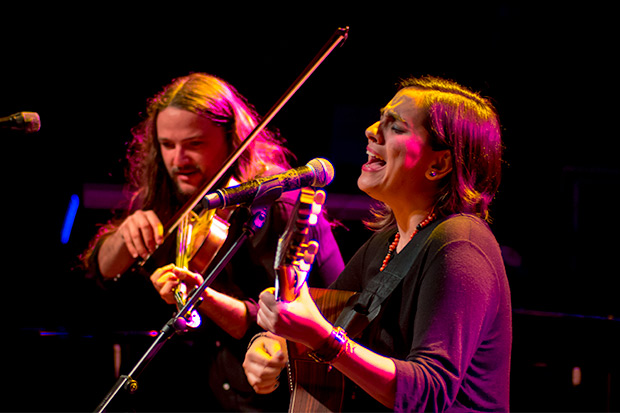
(183, 197)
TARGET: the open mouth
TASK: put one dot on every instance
(374, 161)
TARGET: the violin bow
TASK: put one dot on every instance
(338, 38)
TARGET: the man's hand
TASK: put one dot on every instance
(142, 233)
(166, 278)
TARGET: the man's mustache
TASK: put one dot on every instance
(185, 170)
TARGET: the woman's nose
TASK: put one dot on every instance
(372, 132)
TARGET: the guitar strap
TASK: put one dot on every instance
(362, 308)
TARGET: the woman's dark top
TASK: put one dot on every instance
(447, 326)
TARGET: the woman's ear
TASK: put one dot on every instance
(441, 165)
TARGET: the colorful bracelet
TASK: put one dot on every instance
(332, 348)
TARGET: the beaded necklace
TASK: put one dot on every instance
(430, 218)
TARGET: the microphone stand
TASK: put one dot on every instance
(177, 324)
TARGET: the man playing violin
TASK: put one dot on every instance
(191, 127)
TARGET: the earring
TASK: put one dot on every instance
(433, 174)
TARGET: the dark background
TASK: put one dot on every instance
(549, 70)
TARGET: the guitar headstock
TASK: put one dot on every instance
(296, 252)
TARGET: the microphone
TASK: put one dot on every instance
(24, 121)
(318, 172)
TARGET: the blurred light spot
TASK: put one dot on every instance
(67, 226)
(576, 376)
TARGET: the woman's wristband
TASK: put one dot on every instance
(332, 348)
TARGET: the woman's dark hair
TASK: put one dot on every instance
(467, 124)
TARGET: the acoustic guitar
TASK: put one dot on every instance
(314, 386)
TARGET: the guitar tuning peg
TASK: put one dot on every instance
(313, 247)
(313, 219)
(311, 251)
(316, 209)
(317, 205)
(319, 197)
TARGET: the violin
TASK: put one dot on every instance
(199, 238)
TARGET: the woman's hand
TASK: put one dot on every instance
(299, 320)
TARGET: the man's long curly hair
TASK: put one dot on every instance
(151, 187)
(213, 98)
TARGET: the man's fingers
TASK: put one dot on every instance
(158, 273)
(157, 227)
(129, 243)
(148, 227)
(142, 233)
